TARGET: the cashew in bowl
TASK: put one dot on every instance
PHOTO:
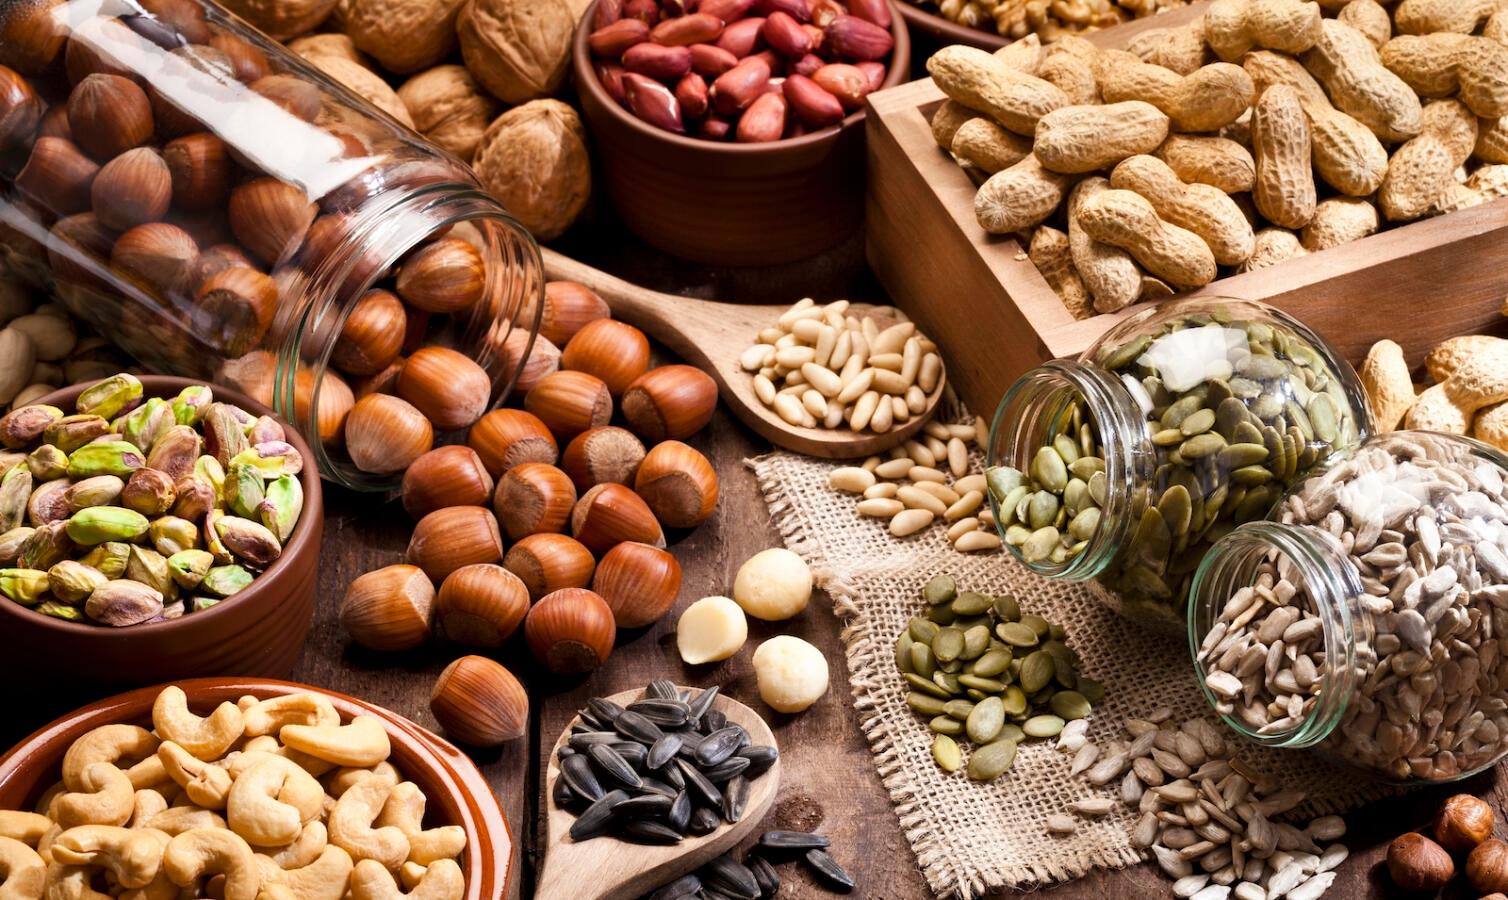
(105, 798)
(199, 852)
(270, 801)
(326, 878)
(131, 856)
(364, 742)
(442, 881)
(22, 872)
(205, 783)
(268, 716)
(110, 744)
(207, 738)
(351, 825)
(404, 810)
(26, 827)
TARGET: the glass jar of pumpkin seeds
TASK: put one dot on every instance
(1364, 619)
(1120, 468)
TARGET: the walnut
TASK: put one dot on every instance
(449, 108)
(339, 45)
(404, 35)
(282, 19)
(534, 159)
(518, 49)
(364, 83)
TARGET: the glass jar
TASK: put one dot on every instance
(224, 211)
(1364, 620)
(1122, 467)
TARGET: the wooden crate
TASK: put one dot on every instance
(995, 317)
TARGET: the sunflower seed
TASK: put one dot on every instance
(730, 876)
(793, 840)
(735, 798)
(614, 766)
(636, 726)
(641, 831)
(644, 806)
(719, 745)
(764, 875)
(681, 888)
(829, 870)
(663, 751)
(680, 812)
(576, 773)
(595, 819)
(704, 821)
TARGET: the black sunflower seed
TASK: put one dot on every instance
(673, 777)
(730, 876)
(718, 746)
(733, 765)
(614, 766)
(664, 713)
(636, 727)
(632, 752)
(680, 812)
(662, 689)
(663, 751)
(583, 741)
(829, 870)
(641, 831)
(712, 720)
(563, 795)
(764, 875)
(644, 806)
(704, 821)
(590, 722)
(702, 702)
(793, 840)
(760, 757)
(576, 773)
(595, 819)
(656, 786)
(704, 790)
(681, 888)
(604, 709)
(735, 798)
(690, 740)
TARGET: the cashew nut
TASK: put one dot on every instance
(206, 784)
(107, 743)
(26, 827)
(105, 797)
(270, 802)
(44, 845)
(342, 779)
(180, 819)
(304, 849)
(266, 743)
(410, 875)
(148, 803)
(351, 828)
(364, 742)
(160, 887)
(131, 855)
(70, 883)
(442, 881)
(194, 854)
(404, 810)
(206, 738)
(324, 879)
(270, 715)
(23, 875)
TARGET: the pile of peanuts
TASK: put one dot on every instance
(219, 806)
(1047, 20)
(1469, 395)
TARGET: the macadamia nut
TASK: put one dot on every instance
(792, 673)
(774, 584)
(710, 629)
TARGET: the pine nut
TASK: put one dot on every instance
(884, 490)
(834, 417)
(752, 359)
(919, 453)
(969, 483)
(962, 432)
(929, 372)
(771, 335)
(827, 339)
(986, 517)
(837, 307)
(910, 522)
(938, 448)
(916, 400)
(884, 415)
(925, 473)
(962, 527)
(899, 453)
(892, 339)
(805, 308)
(911, 358)
(789, 408)
(786, 341)
(860, 344)
(871, 330)
(888, 382)
(863, 410)
(807, 330)
(899, 411)
(854, 385)
(815, 403)
(824, 380)
(966, 505)
(915, 498)
(794, 378)
(937, 430)
(764, 389)
(958, 458)
(891, 361)
(793, 357)
(851, 479)
(895, 468)
(834, 320)
(941, 491)
(873, 461)
(977, 540)
(880, 508)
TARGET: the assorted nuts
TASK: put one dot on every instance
(137, 509)
(734, 71)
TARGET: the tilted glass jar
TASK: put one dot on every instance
(1122, 467)
(219, 209)
(1364, 620)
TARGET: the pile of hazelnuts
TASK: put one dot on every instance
(1463, 826)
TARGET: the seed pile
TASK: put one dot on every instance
(925, 480)
(1424, 521)
(1206, 817)
(133, 510)
(666, 766)
(1235, 411)
(821, 366)
(982, 669)
(755, 877)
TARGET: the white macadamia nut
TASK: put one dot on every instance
(710, 629)
(792, 673)
(773, 584)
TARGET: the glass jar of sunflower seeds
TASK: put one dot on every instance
(1364, 619)
(1120, 468)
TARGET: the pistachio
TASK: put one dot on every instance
(266, 429)
(123, 602)
(110, 397)
(190, 404)
(109, 558)
(97, 490)
(211, 469)
(212, 543)
(11, 541)
(97, 524)
(149, 492)
(23, 425)
(199, 604)
(49, 502)
(105, 458)
(58, 610)
(170, 535)
(224, 432)
(47, 546)
(72, 582)
(224, 581)
(189, 567)
(150, 568)
(281, 507)
(243, 488)
(145, 424)
(175, 451)
(47, 463)
(15, 490)
(72, 432)
(195, 497)
(271, 459)
(248, 540)
(25, 586)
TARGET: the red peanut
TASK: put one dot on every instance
(653, 102)
(763, 121)
(810, 102)
(800, 10)
(727, 10)
(848, 83)
(610, 41)
(657, 61)
(608, 12)
(824, 11)
(646, 11)
(807, 65)
(714, 127)
(736, 88)
(611, 76)
(855, 38)
(785, 35)
(743, 37)
(876, 11)
(875, 71)
(697, 28)
(691, 93)
(710, 60)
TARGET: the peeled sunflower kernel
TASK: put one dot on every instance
(773, 584)
(710, 629)
(792, 673)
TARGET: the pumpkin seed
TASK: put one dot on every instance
(1036, 623)
(1036, 671)
(988, 762)
(985, 720)
(945, 751)
(946, 725)
(1007, 608)
(1017, 634)
(948, 644)
(972, 603)
(940, 589)
(992, 663)
(958, 709)
(1042, 726)
(1069, 705)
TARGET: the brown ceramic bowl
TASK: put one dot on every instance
(944, 32)
(457, 792)
(725, 203)
(259, 631)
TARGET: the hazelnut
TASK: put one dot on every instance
(221, 257)
(670, 403)
(247, 62)
(614, 351)
(162, 258)
(208, 70)
(542, 359)
(639, 582)
(270, 217)
(238, 306)
(31, 34)
(532, 498)
(75, 246)
(1417, 863)
(284, 19)
(678, 483)
(508, 437)
(481, 605)
(330, 234)
(448, 387)
(86, 53)
(479, 702)
(55, 124)
(446, 476)
(389, 609)
(569, 307)
(1464, 822)
(450, 108)
(385, 434)
(57, 177)
(1487, 866)
(291, 93)
(132, 189)
(547, 562)
(610, 514)
(335, 401)
(570, 403)
(604, 454)
(384, 382)
(443, 276)
(207, 227)
(570, 630)
(20, 110)
(456, 536)
(184, 17)
(372, 334)
(200, 169)
(109, 115)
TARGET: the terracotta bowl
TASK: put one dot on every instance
(944, 32)
(456, 791)
(259, 631)
(725, 203)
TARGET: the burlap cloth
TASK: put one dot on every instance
(970, 838)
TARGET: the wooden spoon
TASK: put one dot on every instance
(606, 868)
(712, 336)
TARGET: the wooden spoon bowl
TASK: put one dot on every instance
(606, 868)
(712, 336)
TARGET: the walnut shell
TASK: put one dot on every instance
(534, 159)
(518, 49)
(364, 83)
(282, 19)
(450, 108)
(340, 45)
(404, 35)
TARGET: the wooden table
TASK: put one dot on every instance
(830, 780)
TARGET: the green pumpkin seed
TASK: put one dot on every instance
(951, 667)
(948, 682)
(1085, 466)
(1017, 634)
(928, 687)
(1324, 417)
(1036, 623)
(1011, 732)
(985, 720)
(923, 663)
(1201, 446)
(1042, 726)
(992, 663)
(941, 614)
(1042, 510)
(1167, 437)
(1237, 455)
(1198, 422)
(1036, 671)
(981, 683)
(1092, 690)
(945, 751)
(1049, 470)
(945, 725)
(1176, 508)
(990, 761)
(1014, 700)
(1069, 705)
(958, 709)
(975, 640)
(972, 603)
(940, 589)
(923, 631)
(948, 644)
(1007, 514)
(1007, 608)
(903, 653)
(1058, 632)
(1246, 476)
(927, 706)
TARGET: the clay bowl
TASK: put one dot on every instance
(943, 32)
(259, 631)
(725, 203)
(457, 793)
